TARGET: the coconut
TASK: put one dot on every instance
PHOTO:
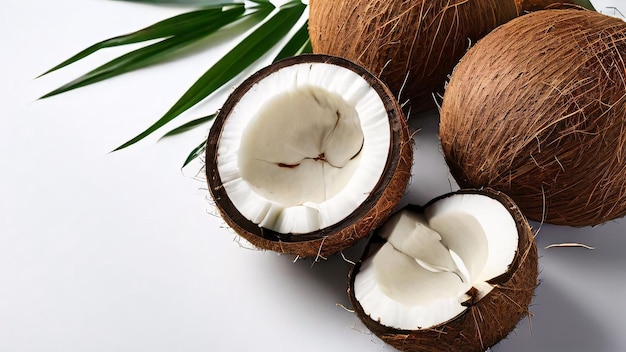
(537, 109)
(308, 155)
(455, 275)
(411, 45)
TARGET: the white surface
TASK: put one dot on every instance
(118, 252)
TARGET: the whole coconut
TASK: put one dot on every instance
(537, 109)
(412, 45)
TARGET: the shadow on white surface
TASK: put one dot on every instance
(558, 324)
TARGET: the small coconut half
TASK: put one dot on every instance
(308, 155)
(455, 275)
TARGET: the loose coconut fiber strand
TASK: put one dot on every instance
(538, 110)
(417, 41)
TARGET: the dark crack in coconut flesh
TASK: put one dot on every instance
(455, 275)
(412, 45)
(308, 155)
(537, 110)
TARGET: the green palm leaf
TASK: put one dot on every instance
(154, 53)
(250, 49)
(195, 153)
(198, 150)
(585, 3)
(189, 125)
(298, 44)
(177, 25)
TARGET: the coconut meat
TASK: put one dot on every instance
(303, 147)
(431, 266)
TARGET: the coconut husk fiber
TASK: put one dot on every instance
(412, 45)
(537, 109)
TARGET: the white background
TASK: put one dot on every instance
(120, 251)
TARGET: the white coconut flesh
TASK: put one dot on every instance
(422, 274)
(304, 147)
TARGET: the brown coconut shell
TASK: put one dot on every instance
(411, 45)
(485, 322)
(370, 214)
(537, 110)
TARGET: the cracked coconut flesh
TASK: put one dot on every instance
(420, 277)
(304, 147)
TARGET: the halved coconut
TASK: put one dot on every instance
(308, 155)
(455, 275)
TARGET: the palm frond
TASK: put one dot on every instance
(154, 53)
(189, 125)
(586, 4)
(250, 49)
(298, 44)
(195, 153)
(172, 35)
(177, 25)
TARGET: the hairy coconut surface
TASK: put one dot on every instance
(378, 202)
(537, 109)
(487, 320)
(412, 45)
